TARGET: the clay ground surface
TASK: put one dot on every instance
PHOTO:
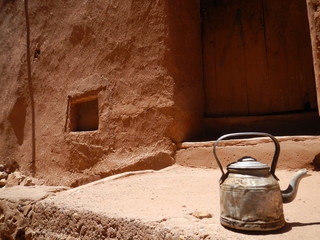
(177, 202)
(168, 200)
(170, 197)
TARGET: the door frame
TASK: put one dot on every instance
(314, 18)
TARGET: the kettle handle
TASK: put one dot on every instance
(275, 157)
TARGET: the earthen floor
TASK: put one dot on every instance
(161, 204)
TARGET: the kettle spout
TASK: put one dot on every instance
(290, 193)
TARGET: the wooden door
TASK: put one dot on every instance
(257, 57)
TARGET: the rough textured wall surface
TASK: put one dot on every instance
(140, 59)
(313, 7)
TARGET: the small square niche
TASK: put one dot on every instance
(84, 115)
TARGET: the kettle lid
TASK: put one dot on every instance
(247, 163)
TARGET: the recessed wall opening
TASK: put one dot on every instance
(84, 114)
(257, 66)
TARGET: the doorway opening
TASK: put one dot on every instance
(258, 67)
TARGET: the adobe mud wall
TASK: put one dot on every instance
(140, 60)
(313, 7)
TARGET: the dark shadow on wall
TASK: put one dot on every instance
(31, 94)
(17, 118)
(304, 123)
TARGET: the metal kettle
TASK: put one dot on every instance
(250, 196)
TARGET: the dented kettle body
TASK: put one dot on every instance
(251, 201)
(250, 195)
